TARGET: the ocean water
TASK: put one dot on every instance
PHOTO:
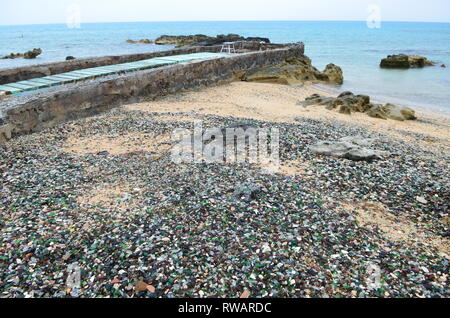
(351, 45)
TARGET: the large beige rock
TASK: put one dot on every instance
(348, 103)
(294, 71)
(399, 112)
(334, 74)
(391, 111)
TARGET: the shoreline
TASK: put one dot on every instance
(431, 111)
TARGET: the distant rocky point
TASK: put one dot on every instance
(143, 41)
(204, 40)
(293, 71)
(405, 61)
(27, 55)
(347, 103)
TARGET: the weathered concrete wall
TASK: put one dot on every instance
(25, 114)
(29, 72)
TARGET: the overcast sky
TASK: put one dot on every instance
(55, 11)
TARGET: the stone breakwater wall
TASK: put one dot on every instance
(30, 72)
(30, 113)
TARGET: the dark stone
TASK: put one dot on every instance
(143, 41)
(346, 93)
(403, 61)
(27, 55)
(69, 58)
(246, 192)
(32, 54)
(345, 109)
(201, 39)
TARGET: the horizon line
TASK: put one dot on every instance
(193, 21)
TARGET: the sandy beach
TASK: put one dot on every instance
(103, 192)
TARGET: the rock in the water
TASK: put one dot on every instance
(32, 54)
(12, 56)
(201, 39)
(27, 55)
(70, 58)
(143, 41)
(443, 65)
(181, 39)
(349, 103)
(334, 74)
(293, 71)
(343, 149)
(405, 61)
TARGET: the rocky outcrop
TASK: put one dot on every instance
(293, 71)
(391, 111)
(70, 58)
(204, 40)
(348, 103)
(32, 54)
(349, 148)
(443, 65)
(143, 41)
(334, 74)
(27, 55)
(405, 61)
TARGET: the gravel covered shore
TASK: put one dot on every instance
(104, 194)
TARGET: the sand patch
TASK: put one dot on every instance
(287, 168)
(118, 145)
(106, 195)
(269, 102)
(294, 168)
(374, 215)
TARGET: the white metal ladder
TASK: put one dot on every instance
(228, 47)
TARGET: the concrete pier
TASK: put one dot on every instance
(27, 113)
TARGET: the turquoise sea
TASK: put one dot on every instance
(351, 45)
